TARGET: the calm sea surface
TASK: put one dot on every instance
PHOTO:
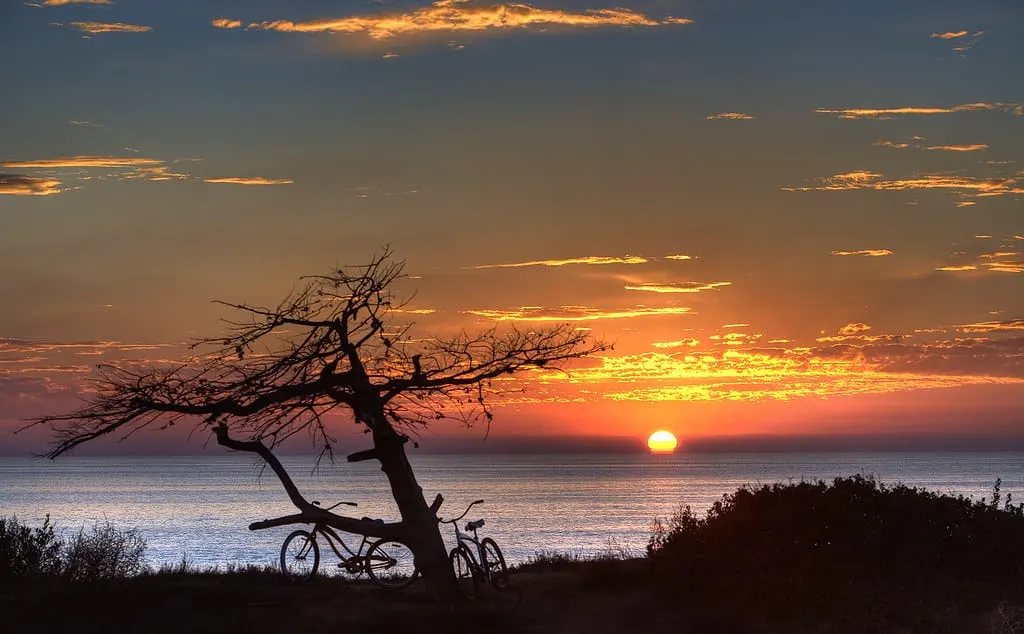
(198, 507)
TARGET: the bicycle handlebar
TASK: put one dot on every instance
(317, 503)
(456, 519)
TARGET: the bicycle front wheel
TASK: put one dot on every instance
(465, 571)
(300, 555)
(494, 563)
(390, 564)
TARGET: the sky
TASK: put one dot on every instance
(792, 219)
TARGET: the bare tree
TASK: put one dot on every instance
(329, 346)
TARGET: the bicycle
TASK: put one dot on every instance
(487, 563)
(388, 562)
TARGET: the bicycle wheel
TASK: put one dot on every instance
(390, 564)
(465, 571)
(494, 563)
(300, 555)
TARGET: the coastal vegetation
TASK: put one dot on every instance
(852, 555)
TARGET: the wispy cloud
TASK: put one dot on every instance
(84, 161)
(957, 267)
(59, 3)
(950, 35)
(679, 256)
(735, 116)
(256, 180)
(892, 144)
(854, 328)
(455, 16)
(964, 185)
(891, 113)
(589, 259)
(1011, 325)
(871, 253)
(94, 28)
(977, 147)
(677, 287)
(575, 313)
(21, 185)
(963, 41)
(689, 342)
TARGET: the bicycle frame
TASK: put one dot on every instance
(330, 535)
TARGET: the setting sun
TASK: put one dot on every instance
(662, 442)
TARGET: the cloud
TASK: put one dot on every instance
(965, 203)
(679, 256)
(890, 113)
(86, 124)
(977, 147)
(891, 144)
(963, 185)
(256, 180)
(950, 35)
(871, 253)
(226, 23)
(678, 287)
(21, 185)
(458, 15)
(735, 116)
(84, 161)
(574, 313)
(688, 342)
(589, 259)
(958, 267)
(58, 3)
(1005, 267)
(994, 326)
(93, 28)
(854, 328)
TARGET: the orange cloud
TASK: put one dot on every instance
(21, 185)
(891, 144)
(964, 185)
(958, 267)
(58, 3)
(589, 259)
(255, 180)
(873, 253)
(994, 326)
(735, 116)
(84, 161)
(854, 328)
(951, 35)
(226, 23)
(959, 148)
(459, 15)
(688, 342)
(679, 287)
(889, 113)
(110, 27)
(574, 313)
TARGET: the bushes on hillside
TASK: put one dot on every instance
(852, 528)
(102, 553)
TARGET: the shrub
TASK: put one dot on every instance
(26, 551)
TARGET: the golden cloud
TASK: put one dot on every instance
(958, 267)
(21, 185)
(854, 328)
(734, 116)
(977, 147)
(871, 253)
(889, 113)
(965, 203)
(891, 144)
(84, 161)
(110, 27)
(58, 3)
(951, 35)
(679, 256)
(1005, 267)
(679, 287)
(688, 342)
(226, 23)
(256, 180)
(574, 313)
(459, 15)
(964, 185)
(994, 326)
(590, 259)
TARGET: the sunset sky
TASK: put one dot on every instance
(790, 218)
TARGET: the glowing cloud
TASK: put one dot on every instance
(20, 185)
(958, 267)
(679, 256)
(256, 180)
(871, 253)
(964, 185)
(590, 259)
(680, 287)
(574, 313)
(83, 161)
(977, 147)
(854, 329)
(93, 28)
(688, 342)
(889, 113)
(58, 3)
(994, 326)
(455, 16)
(891, 144)
(735, 116)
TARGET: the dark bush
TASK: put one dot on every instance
(26, 551)
(852, 528)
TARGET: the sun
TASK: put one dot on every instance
(662, 441)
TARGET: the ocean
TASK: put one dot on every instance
(198, 507)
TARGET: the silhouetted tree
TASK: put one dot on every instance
(328, 346)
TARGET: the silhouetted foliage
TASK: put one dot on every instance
(105, 552)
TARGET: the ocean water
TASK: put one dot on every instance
(199, 507)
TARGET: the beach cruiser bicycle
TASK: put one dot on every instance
(388, 562)
(473, 559)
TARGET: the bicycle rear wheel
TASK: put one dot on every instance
(465, 571)
(494, 563)
(300, 555)
(390, 564)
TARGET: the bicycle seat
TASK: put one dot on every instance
(472, 526)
